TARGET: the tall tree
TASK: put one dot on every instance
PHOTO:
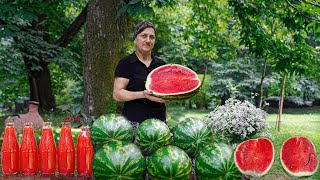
(286, 44)
(105, 37)
(32, 28)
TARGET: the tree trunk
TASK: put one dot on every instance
(265, 68)
(281, 100)
(261, 82)
(40, 87)
(105, 36)
(40, 79)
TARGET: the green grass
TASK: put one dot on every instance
(307, 125)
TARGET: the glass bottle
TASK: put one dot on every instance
(84, 152)
(28, 151)
(10, 151)
(48, 152)
(66, 156)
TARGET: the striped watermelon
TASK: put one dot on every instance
(216, 162)
(111, 127)
(191, 135)
(152, 134)
(119, 160)
(169, 162)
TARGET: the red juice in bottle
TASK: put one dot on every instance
(84, 152)
(28, 151)
(10, 151)
(48, 152)
(66, 159)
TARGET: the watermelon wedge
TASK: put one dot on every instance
(254, 157)
(298, 156)
(173, 82)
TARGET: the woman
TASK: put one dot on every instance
(130, 77)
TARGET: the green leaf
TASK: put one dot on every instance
(134, 1)
(64, 107)
(122, 10)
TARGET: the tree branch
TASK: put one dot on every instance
(73, 29)
(312, 3)
(308, 17)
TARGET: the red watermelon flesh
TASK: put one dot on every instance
(254, 157)
(298, 156)
(172, 79)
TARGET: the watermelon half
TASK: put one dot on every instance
(173, 82)
(299, 157)
(254, 157)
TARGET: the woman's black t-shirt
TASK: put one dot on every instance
(133, 69)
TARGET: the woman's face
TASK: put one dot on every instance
(145, 40)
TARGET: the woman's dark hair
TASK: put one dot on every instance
(142, 26)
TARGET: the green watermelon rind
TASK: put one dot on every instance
(169, 162)
(178, 97)
(253, 173)
(116, 160)
(191, 135)
(111, 127)
(216, 161)
(173, 96)
(300, 174)
(152, 134)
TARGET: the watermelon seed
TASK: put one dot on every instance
(309, 159)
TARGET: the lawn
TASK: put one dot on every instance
(295, 122)
(293, 125)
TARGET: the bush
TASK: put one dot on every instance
(236, 120)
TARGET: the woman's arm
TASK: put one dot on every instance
(120, 93)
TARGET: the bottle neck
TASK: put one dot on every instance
(10, 126)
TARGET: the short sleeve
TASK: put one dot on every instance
(122, 69)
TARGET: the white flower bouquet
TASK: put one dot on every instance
(237, 120)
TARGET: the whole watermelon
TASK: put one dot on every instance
(216, 162)
(169, 162)
(111, 127)
(152, 134)
(191, 135)
(119, 160)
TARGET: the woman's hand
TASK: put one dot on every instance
(148, 95)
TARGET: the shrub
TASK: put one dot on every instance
(236, 120)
